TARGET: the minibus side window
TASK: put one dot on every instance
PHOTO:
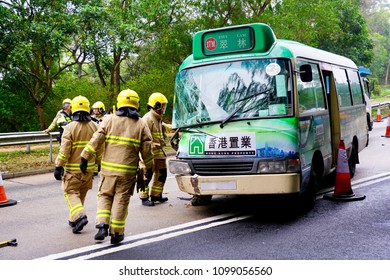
(342, 87)
(311, 94)
(357, 96)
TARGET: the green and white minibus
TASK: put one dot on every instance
(259, 115)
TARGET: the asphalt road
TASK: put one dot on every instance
(232, 228)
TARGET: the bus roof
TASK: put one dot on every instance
(256, 40)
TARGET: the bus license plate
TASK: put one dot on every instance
(226, 185)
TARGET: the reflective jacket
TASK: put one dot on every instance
(74, 139)
(124, 139)
(155, 125)
(63, 120)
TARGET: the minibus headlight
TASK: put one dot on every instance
(179, 167)
(278, 166)
(272, 166)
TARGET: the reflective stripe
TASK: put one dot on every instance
(73, 209)
(158, 151)
(103, 213)
(79, 144)
(148, 160)
(119, 167)
(157, 189)
(117, 224)
(123, 140)
(76, 166)
(158, 134)
(89, 149)
(76, 208)
(61, 156)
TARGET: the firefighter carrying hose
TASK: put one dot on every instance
(157, 105)
(75, 184)
(125, 137)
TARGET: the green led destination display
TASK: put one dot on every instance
(228, 41)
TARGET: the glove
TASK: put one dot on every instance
(140, 180)
(83, 165)
(58, 173)
(99, 167)
(149, 175)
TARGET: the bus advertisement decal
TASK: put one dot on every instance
(226, 144)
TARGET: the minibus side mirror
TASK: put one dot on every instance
(305, 73)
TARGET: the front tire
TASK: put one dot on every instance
(352, 161)
(308, 197)
(199, 200)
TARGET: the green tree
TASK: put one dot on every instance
(336, 26)
(36, 45)
(379, 24)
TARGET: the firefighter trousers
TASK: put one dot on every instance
(159, 178)
(75, 187)
(113, 199)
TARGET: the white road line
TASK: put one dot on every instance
(360, 183)
(159, 238)
(162, 231)
(182, 229)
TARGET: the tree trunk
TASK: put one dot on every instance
(387, 72)
(41, 116)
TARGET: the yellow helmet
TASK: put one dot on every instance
(65, 103)
(128, 98)
(67, 100)
(99, 105)
(80, 103)
(156, 100)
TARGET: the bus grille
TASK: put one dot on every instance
(205, 167)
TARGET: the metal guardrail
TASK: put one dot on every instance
(378, 105)
(27, 138)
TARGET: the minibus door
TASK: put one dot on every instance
(334, 114)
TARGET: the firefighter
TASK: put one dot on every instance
(75, 184)
(125, 136)
(99, 111)
(157, 104)
(61, 119)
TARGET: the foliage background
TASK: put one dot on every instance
(52, 50)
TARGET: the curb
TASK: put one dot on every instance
(26, 173)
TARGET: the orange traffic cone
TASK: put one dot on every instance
(3, 198)
(378, 115)
(388, 126)
(343, 190)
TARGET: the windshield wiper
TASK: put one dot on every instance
(228, 118)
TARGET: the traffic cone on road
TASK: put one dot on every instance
(378, 115)
(343, 189)
(388, 127)
(4, 201)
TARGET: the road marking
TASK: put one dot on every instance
(159, 238)
(100, 249)
(363, 182)
(147, 237)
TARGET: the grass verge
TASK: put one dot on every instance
(17, 159)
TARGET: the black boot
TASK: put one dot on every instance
(79, 224)
(158, 199)
(147, 202)
(115, 239)
(103, 231)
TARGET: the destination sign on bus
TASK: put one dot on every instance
(228, 41)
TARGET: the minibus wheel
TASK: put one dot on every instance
(352, 161)
(308, 197)
(199, 200)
